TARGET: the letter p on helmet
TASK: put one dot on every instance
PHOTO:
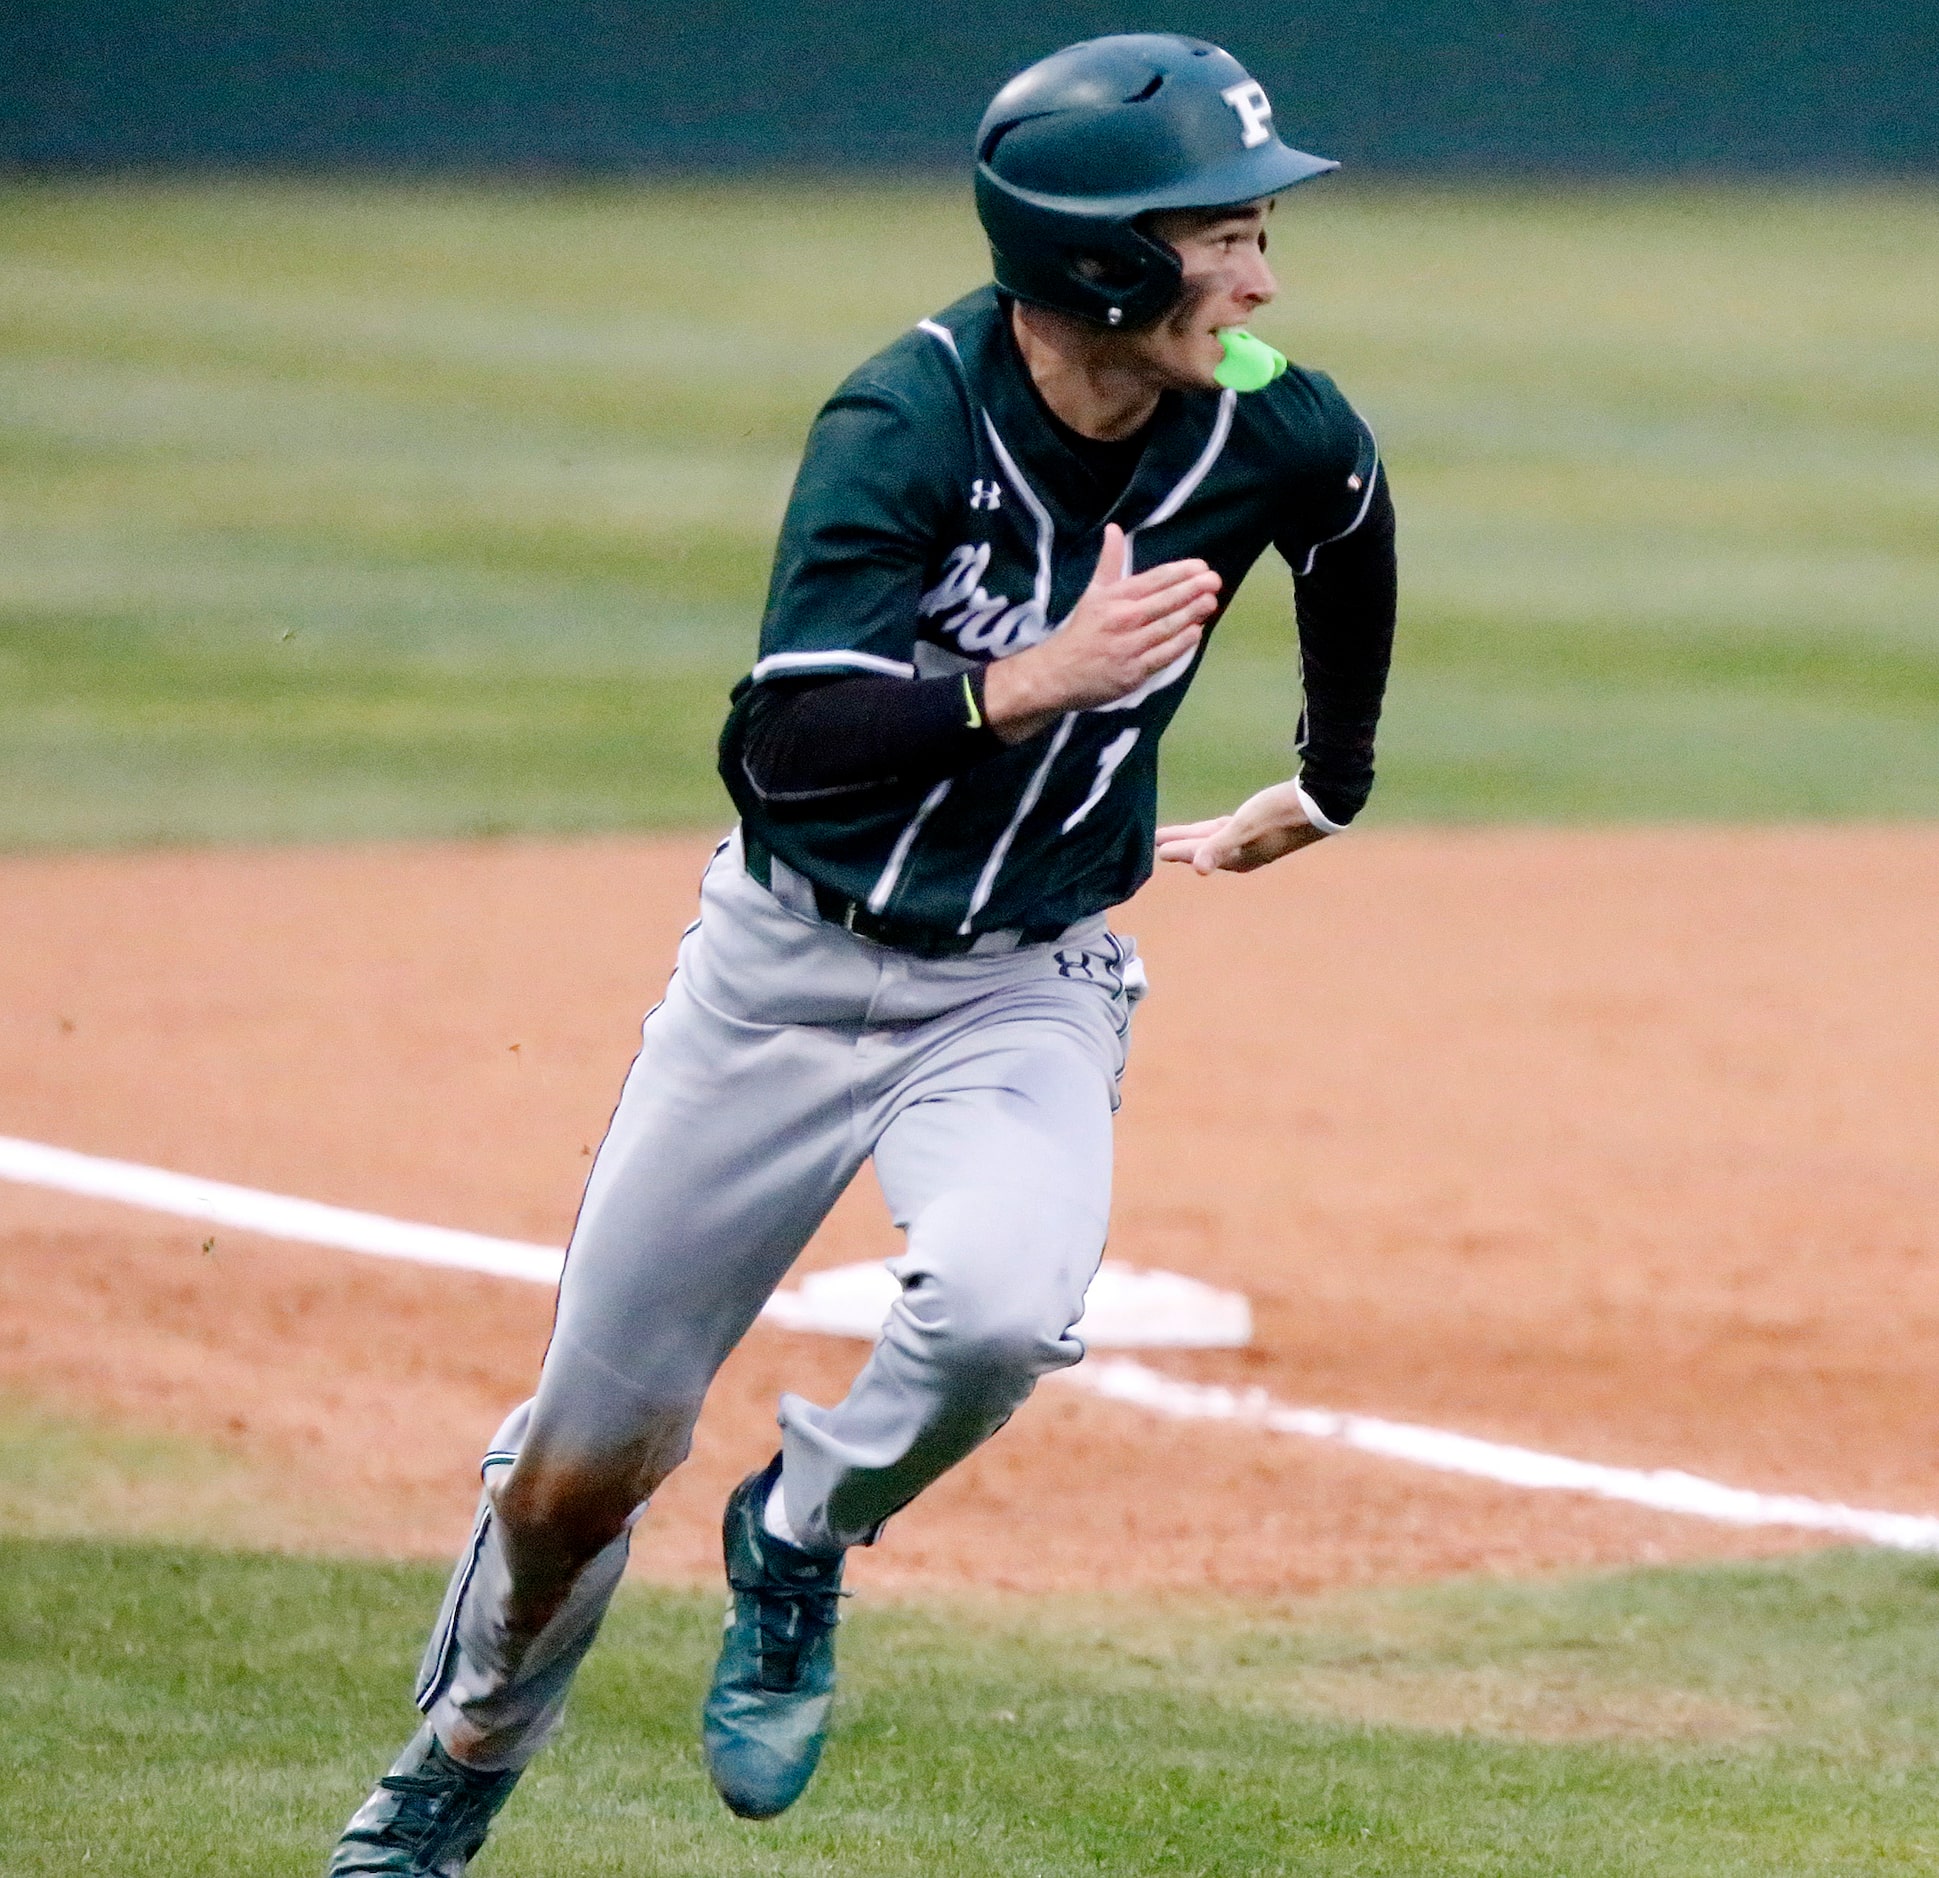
(1249, 100)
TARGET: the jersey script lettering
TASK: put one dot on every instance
(981, 622)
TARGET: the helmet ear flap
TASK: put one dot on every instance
(1139, 277)
(1158, 277)
(1101, 269)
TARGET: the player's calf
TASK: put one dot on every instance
(554, 1521)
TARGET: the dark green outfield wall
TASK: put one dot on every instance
(1639, 86)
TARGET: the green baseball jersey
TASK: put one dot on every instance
(938, 521)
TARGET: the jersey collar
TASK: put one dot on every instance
(1187, 430)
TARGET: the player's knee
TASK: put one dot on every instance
(575, 1508)
(978, 1328)
(1005, 1351)
(999, 1279)
(583, 1502)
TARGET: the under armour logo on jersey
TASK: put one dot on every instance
(1254, 109)
(986, 495)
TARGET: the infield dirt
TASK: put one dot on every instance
(1615, 1143)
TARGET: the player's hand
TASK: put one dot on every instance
(1261, 829)
(1123, 630)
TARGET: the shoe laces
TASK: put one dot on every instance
(789, 1622)
(446, 1808)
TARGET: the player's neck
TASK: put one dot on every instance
(1083, 375)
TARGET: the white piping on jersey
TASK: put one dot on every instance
(1040, 594)
(1214, 445)
(814, 661)
(891, 872)
(986, 880)
(1046, 529)
(1108, 760)
(1046, 547)
(1366, 502)
(1175, 499)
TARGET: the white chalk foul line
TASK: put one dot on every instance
(1117, 1380)
(1125, 1309)
(274, 1214)
(1667, 1489)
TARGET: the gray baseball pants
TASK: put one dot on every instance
(786, 1052)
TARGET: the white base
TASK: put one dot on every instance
(1125, 1308)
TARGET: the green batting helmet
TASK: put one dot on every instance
(1073, 150)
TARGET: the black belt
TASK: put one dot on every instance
(901, 935)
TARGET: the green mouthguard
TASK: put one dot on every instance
(1249, 364)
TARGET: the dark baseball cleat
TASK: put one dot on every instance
(427, 1818)
(766, 1713)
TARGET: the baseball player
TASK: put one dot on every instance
(1011, 535)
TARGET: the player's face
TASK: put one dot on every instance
(1226, 282)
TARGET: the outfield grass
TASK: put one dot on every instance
(342, 510)
(165, 1711)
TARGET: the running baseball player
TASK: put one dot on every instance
(1012, 533)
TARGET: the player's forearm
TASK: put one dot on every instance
(1018, 704)
(803, 742)
(1346, 608)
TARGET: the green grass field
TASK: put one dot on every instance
(369, 511)
(336, 511)
(166, 1711)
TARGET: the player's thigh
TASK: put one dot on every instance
(997, 1164)
(730, 1143)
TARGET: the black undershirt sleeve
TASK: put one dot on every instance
(1345, 608)
(802, 740)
